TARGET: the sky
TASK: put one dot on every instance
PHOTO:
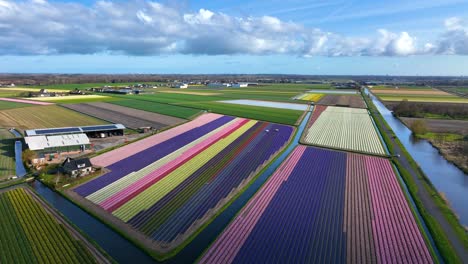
(336, 37)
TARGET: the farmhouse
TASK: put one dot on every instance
(77, 167)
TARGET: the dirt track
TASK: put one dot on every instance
(129, 117)
(343, 100)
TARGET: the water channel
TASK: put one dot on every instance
(124, 251)
(446, 177)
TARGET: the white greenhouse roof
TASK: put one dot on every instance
(44, 142)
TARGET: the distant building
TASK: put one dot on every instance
(77, 167)
(219, 85)
(180, 85)
(242, 84)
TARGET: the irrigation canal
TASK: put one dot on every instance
(446, 177)
(124, 251)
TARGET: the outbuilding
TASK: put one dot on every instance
(77, 167)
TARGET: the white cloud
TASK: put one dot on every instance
(455, 38)
(141, 27)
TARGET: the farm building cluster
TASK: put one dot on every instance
(52, 143)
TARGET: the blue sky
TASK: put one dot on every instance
(303, 37)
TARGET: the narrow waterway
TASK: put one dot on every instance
(446, 177)
(115, 245)
(125, 252)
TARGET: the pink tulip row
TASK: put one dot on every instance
(116, 155)
(231, 240)
(397, 238)
(118, 199)
(24, 101)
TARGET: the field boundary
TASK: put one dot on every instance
(442, 241)
(141, 240)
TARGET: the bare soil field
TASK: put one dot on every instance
(440, 125)
(343, 100)
(411, 92)
(453, 151)
(132, 118)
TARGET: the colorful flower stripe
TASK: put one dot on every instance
(24, 101)
(397, 237)
(117, 200)
(239, 170)
(325, 207)
(358, 212)
(229, 243)
(345, 128)
(149, 155)
(318, 110)
(113, 156)
(111, 189)
(150, 219)
(148, 197)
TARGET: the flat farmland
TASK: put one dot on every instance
(411, 92)
(10, 105)
(271, 104)
(21, 102)
(7, 154)
(164, 188)
(355, 101)
(418, 95)
(343, 128)
(441, 125)
(33, 233)
(324, 206)
(44, 117)
(276, 115)
(132, 118)
(72, 99)
(161, 108)
(313, 97)
(432, 99)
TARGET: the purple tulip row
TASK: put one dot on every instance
(324, 206)
(148, 156)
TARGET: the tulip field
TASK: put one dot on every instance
(168, 185)
(30, 234)
(309, 97)
(343, 128)
(324, 206)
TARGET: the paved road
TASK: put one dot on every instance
(426, 199)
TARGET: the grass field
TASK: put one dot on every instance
(10, 105)
(7, 154)
(44, 117)
(160, 108)
(282, 116)
(30, 234)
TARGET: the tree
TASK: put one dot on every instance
(28, 156)
(419, 127)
